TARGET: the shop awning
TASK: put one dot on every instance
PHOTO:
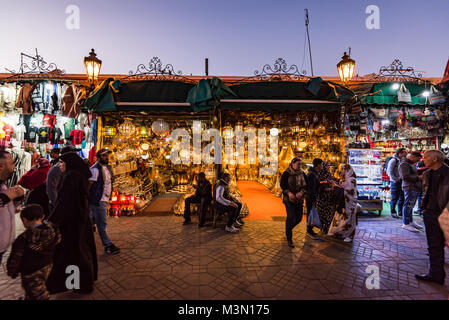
(141, 96)
(385, 93)
(315, 94)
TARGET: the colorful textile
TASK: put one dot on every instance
(344, 224)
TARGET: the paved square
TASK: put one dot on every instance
(161, 259)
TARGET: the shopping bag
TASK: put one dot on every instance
(314, 219)
(443, 219)
(404, 94)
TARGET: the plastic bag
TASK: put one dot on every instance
(314, 219)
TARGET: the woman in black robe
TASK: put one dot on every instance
(71, 214)
(326, 202)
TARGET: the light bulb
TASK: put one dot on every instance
(395, 86)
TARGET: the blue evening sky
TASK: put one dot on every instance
(238, 37)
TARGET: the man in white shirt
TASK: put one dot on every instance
(99, 195)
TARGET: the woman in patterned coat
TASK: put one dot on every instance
(344, 224)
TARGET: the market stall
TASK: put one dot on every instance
(393, 112)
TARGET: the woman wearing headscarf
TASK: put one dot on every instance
(325, 202)
(71, 215)
(344, 224)
(294, 191)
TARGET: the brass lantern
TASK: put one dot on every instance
(346, 68)
(93, 66)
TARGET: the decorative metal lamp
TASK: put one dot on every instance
(346, 68)
(127, 128)
(93, 66)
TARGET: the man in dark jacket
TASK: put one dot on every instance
(397, 194)
(435, 198)
(203, 196)
(312, 195)
(411, 184)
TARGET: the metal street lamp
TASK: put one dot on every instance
(346, 68)
(93, 66)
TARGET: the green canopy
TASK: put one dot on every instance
(384, 93)
(102, 98)
(207, 93)
(315, 94)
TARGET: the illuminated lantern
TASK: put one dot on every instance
(346, 68)
(127, 128)
(93, 66)
(160, 127)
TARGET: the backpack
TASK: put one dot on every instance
(387, 161)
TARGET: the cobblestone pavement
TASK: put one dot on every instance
(161, 259)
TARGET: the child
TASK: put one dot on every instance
(32, 253)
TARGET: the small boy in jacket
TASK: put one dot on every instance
(32, 253)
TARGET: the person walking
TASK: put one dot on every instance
(227, 204)
(294, 191)
(344, 224)
(411, 184)
(54, 177)
(203, 196)
(8, 202)
(32, 253)
(314, 188)
(435, 200)
(35, 181)
(325, 201)
(397, 194)
(71, 216)
(99, 195)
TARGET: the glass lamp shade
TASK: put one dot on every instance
(160, 127)
(93, 66)
(346, 68)
(127, 128)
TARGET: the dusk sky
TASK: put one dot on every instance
(238, 36)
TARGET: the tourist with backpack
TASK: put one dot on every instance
(397, 194)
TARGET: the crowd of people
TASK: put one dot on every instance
(331, 201)
(65, 202)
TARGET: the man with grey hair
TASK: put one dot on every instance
(435, 198)
(8, 203)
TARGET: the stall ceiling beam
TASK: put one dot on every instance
(275, 101)
(150, 104)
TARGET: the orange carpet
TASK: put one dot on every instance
(262, 204)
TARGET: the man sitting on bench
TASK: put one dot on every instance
(203, 196)
(227, 203)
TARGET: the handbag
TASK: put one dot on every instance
(314, 218)
(436, 96)
(404, 94)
